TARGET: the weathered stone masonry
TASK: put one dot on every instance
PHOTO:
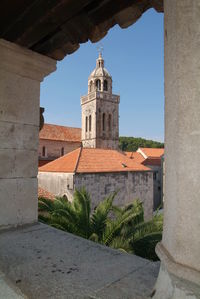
(130, 186)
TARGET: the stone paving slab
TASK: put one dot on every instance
(48, 263)
(8, 290)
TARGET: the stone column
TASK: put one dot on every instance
(179, 250)
(21, 72)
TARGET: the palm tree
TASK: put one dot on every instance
(120, 228)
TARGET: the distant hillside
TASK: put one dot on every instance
(131, 144)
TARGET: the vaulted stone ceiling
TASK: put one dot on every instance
(55, 28)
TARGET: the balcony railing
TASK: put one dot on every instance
(100, 95)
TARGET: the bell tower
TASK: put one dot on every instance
(100, 110)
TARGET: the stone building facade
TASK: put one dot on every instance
(153, 159)
(56, 141)
(101, 172)
(129, 186)
(100, 110)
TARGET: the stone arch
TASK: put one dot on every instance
(105, 85)
(98, 84)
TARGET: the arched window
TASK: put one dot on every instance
(86, 124)
(109, 122)
(90, 123)
(105, 85)
(62, 151)
(98, 84)
(103, 121)
(43, 151)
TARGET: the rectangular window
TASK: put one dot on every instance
(44, 151)
(86, 124)
(103, 121)
(90, 123)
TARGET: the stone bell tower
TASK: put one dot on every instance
(100, 110)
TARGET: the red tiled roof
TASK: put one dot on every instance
(153, 156)
(152, 161)
(136, 156)
(43, 162)
(152, 152)
(45, 194)
(66, 163)
(90, 160)
(60, 133)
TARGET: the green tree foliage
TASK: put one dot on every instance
(131, 144)
(120, 228)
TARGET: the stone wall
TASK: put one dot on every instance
(96, 104)
(157, 185)
(53, 148)
(57, 183)
(89, 136)
(130, 186)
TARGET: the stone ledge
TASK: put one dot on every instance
(49, 263)
(24, 62)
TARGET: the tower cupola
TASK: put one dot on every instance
(100, 79)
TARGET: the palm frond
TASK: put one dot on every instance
(82, 207)
(121, 244)
(99, 217)
(145, 246)
(114, 228)
(46, 205)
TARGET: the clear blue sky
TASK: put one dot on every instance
(134, 58)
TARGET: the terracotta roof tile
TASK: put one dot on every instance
(152, 152)
(45, 194)
(135, 156)
(66, 163)
(89, 160)
(152, 161)
(153, 155)
(61, 133)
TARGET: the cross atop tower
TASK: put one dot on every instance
(100, 50)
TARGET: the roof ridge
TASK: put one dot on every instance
(62, 126)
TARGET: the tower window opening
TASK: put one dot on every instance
(86, 124)
(103, 121)
(98, 84)
(44, 151)
(62, 151)
(90, 123)
(105, 85)
(109, 122)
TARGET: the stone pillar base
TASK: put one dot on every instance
(175, 281)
